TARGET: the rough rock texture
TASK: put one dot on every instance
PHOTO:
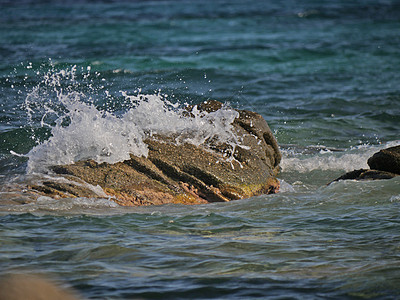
(184, 173)
(384, 164)
(386, 160)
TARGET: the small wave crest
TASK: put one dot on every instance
(80, 129)
(44, 204)
(304, 160)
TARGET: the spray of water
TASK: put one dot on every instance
(80, 129)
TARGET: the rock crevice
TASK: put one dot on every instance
(182, 173)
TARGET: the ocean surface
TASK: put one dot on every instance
(83, 79)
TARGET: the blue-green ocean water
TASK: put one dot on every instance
(324, 74)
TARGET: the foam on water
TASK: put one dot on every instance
(48, 205)
(325, 160)
(80, 130)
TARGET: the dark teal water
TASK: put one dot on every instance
(325, 76)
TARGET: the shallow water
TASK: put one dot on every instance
(340, 241)
(323, 74)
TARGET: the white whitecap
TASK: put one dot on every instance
(346, 160)
(81, 131)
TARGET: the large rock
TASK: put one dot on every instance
(180, 173)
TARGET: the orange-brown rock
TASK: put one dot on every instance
(181, 173)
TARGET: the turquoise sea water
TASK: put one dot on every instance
(325, 76)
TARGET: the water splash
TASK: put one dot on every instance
(79, 129)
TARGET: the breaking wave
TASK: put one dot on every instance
(308, 159)
(79, 129)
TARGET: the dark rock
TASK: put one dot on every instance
(386, 160)
(182, 173)
(384, 164)
(366, 174)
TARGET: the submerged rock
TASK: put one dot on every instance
(366, 174)
(180, 173)
(384, 164)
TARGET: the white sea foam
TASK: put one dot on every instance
(395, 198)
(346, 160)
(80, 130)
(51, 204)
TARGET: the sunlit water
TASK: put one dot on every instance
(92, 80)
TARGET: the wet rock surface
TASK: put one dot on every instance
(366, 174)
(180, 173)
(384, 164)
(386, 160)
